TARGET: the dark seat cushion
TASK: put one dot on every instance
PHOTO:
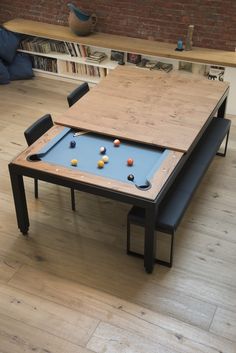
(8, 45)
(174, 204)
(21, 67)
(4, 74)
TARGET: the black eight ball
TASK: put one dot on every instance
(130, 177)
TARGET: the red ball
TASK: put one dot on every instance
(130, 162)
(116, 143)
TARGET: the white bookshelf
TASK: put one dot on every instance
(108, 64)
(68, 66)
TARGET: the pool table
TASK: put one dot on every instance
(49, 159)
(81, 151)
(158, 117)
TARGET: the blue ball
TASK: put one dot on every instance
(72, 144)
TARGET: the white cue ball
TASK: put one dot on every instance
(105, 159)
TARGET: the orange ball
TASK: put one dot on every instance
(116, 143)
(130, 162)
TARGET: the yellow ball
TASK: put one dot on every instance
(105, 159)
(74, 162)
(100, 164)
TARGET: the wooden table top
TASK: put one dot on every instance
(158, 108)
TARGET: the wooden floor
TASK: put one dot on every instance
(70, 287)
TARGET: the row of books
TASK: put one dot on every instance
(46, 46)
(96, 57)
(154, 65)
(41, 45)
(67, 67)
(75, 69)
(46, 64)
(77, 50)
(137, 59)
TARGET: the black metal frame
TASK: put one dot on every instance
(17, 173)
(139, 222)
(223, 154)
(134, 253)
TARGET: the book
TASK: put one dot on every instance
(118, 56)
(96, 57)
(216, 73)
(142, 63)
(133, 58)
(162, 66)
(151, 64)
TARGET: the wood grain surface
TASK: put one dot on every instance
(167, 110)
(128, 44)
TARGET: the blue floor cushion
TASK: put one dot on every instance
(8, 44)
(4, 74)
(21, 67)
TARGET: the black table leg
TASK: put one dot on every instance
(222, 109)
(150, 238)
(18, 190)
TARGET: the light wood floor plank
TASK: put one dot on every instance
(224, 324)
(46, 315)
(106, 262)
(108, 308)
(109, 338)
(17, 337)
(7, 268)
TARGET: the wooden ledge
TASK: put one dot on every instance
(127, 44)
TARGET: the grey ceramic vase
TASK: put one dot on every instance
(81, 23)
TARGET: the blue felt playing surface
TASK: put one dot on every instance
(147, 159)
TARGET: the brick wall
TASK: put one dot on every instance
(162, 20)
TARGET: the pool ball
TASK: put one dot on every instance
(105, 158)
(130, 162)
(116, 143)
(102, 150)
(72, 144)
(100, 164)
(130, 177)
(74, 162)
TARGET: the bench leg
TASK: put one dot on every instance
(128, 237)
(36, 189)
(134, 253)
(72, 191)
(172, 249)
(223, 154)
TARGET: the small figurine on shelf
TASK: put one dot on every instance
(179, 45)
(189, 39)
(80, 22)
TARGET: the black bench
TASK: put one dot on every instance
(175, 202)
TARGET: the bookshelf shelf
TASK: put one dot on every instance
(94, 80)
(108, 64)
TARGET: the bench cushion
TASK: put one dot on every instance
(21, 67)
(174, 204)
(4, 74)
(8, 44)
